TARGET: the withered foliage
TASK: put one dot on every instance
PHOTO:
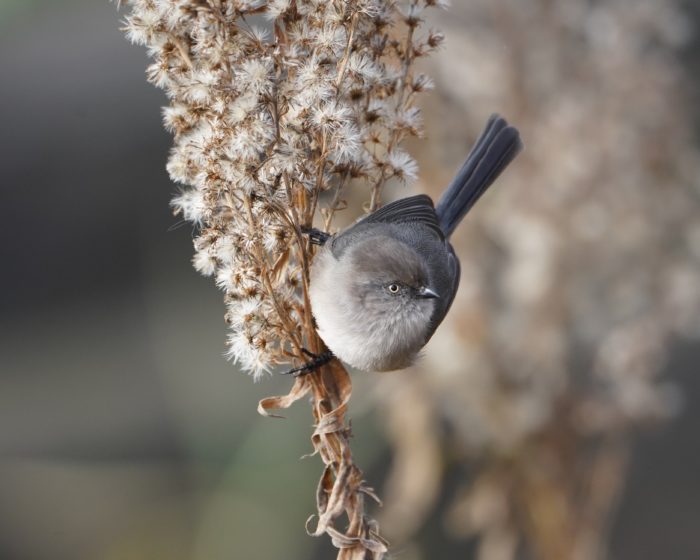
(273, 103)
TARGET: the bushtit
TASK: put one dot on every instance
(381, 287)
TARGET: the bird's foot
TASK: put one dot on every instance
(316, 236)
(317, 360)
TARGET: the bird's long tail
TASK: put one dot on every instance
(497, 146)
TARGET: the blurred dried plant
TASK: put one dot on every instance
(273, 103)
(578, 270)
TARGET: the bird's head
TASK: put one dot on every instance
(390, 281)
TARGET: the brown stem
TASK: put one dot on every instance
(346, 55)
(290, 331)
(182, 50)
(334, 204)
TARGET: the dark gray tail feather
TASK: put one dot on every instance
(497, 146)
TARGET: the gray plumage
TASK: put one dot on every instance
(380, 288)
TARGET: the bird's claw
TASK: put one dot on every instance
(316, 236)
(317, 360)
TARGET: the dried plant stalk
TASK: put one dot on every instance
(273, 103)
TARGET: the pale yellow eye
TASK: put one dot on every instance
(394, 288)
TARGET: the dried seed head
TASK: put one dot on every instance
(257, 121)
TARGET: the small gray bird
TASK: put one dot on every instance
(381, 287)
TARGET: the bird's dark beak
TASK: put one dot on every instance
(427, 293)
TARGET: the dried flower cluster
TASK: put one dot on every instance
(584, 264)
(272, 104)
(268, 116)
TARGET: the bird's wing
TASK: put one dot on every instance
(417, 209)
(455, 271)
(448, 293)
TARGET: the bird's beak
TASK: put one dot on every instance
(427, 293)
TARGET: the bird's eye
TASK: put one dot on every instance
(393, 288)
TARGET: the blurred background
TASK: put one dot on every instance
(124, 434)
